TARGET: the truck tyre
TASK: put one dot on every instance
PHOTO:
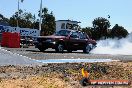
(59, 48)
(41, 49)
(69, 51)
(87, 48)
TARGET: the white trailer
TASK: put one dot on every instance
(67, 24)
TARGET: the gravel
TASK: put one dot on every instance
(25, 58)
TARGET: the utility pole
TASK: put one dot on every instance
(40, 15)
(18, 12)
(18, 15)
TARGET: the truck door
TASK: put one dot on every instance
(82, 40)
(73, 41)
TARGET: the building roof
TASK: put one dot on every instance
(70, 21)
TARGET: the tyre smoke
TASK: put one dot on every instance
(114, 46)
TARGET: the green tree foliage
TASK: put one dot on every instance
(101, 26)
(99, 30)
(88, 31)
(22, 0)
(36, 24)
(48, 22)
(119, 32)
(25, 19)
(13, 21)
(3, 19)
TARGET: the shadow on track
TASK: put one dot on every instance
(53, 51)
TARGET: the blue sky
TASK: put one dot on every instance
(84, 11)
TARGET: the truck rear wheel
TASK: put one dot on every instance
(59, 48)
(42, 49)
(87, 48)
(69, 51)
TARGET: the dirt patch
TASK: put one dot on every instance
(62, 75)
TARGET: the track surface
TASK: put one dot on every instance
(34, 53)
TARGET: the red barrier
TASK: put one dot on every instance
(5, 39)
(11, 40)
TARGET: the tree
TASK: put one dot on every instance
(48, 22)
(88, 31)
(26, 19)
(36, 24)
(101, 25)
(14, 18)
(29, 19)
(22, 0)
(3, 20)
(119, 32)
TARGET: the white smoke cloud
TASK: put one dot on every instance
(114, 46)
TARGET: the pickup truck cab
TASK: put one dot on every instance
(70, 40)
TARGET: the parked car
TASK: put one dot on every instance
(26, 41)
(70, 40)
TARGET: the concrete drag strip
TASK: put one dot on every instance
(9, 58)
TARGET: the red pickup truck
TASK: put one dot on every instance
(70, 40)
